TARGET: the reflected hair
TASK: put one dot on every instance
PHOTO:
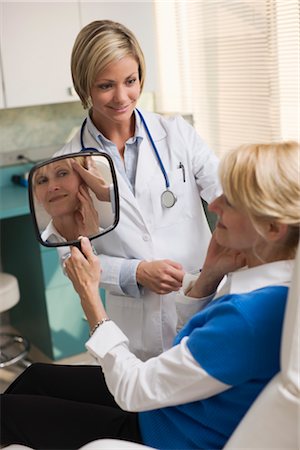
(97, 45)
(41, 171)
(263, 180)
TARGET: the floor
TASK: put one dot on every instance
(9, 373)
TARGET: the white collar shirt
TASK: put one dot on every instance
(238, 282)
(51, 235)
(173, 377)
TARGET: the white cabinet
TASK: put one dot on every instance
(1, 91)
(36, 44)
(139, 17)
(36, 40)
(1, 79)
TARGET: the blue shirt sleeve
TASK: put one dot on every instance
(238, 337)
(127, 278)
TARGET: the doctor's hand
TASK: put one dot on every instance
(162, 276)
(219, 262)
(93, 179)
(83, 269)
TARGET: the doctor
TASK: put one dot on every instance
(163, 169)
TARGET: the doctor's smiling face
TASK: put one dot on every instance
(56, 187)
(115, 92)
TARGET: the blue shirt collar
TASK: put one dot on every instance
(103, 141)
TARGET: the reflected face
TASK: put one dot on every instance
(116, 91)
(56, 186)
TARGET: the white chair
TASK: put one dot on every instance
(273, 421)
(13, 348)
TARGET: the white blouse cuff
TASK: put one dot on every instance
(187, 283)
(107, 336)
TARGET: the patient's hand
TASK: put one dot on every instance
(86, 217)
(83, 269)
(222, 260)
(219, 262)
(93, 179)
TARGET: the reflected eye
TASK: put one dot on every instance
(41, 180)
(62, 173)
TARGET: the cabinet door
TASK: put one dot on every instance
(1, 91)
(138, 17)
(1, 80)
(36, 45)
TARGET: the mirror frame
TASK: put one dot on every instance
(75, 242)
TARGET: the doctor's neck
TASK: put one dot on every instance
(115, 130)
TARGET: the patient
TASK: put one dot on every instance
(195, 394)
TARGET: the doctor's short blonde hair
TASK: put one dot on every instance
(264, 181)
(97, 45)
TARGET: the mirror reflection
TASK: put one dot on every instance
(73, 195)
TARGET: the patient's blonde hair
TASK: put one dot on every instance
(43, 171)
(264, 181)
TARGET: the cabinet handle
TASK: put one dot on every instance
(71, 91)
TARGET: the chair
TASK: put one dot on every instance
(13, 348)
(273, 421)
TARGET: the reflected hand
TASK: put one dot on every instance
(86, 216)
(93, 179)
(162, 276)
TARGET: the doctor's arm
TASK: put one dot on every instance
(173, 377)
(160, 276)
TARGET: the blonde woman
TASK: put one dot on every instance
(195, 394)
(163, 168)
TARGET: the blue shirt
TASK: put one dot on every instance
(235, 339)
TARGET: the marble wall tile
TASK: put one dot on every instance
(38, 126)
(39, 131)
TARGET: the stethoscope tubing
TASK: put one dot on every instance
(162, 168)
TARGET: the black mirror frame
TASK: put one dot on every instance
(87, 152)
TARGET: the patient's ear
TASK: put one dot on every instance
(276, 231)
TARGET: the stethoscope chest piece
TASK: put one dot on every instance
(168, 199)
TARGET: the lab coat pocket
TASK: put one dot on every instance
(127, 313)
(181, 210)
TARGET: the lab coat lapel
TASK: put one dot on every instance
(148, 165)
(124, 191)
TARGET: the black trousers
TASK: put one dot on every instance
(63, 407)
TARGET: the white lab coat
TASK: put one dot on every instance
(148, 231)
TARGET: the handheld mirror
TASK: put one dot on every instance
(73, 195)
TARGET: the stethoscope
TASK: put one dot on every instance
(168, 198)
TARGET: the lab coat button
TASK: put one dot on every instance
(146, 237)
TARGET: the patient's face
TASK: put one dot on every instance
(234, 228)
(56, 187)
